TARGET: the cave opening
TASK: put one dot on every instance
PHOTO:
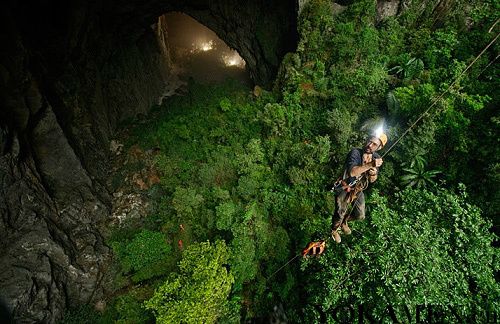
(198, 54)
(74, 77)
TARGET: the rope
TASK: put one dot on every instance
(487, 66)
(413, 125)
(289, 261)
(353, 205)
(442, 94)
(491, 28)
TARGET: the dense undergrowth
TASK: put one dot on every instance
(245, 180)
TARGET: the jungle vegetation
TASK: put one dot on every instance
(248, 176)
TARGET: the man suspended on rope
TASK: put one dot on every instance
(361, 168)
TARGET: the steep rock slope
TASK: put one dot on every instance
(69, 73)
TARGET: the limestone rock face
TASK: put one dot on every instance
(387, 9)
(70, 71)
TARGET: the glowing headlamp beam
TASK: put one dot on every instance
(379, 131)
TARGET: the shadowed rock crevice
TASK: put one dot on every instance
(70, 72)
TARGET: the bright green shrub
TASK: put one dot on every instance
(199, 292)
(225, 104)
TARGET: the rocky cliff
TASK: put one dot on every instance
(70, 71)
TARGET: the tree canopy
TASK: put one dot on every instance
(252, 172)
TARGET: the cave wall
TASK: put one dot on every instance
(64, 87)
(261, 31)
(70, 71)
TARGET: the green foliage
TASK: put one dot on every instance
(243, 260)
(254, 171)
(226, 213)
(199, 292)
(275, 119)
(440, 48)
(417, 175)
(225, 104)
(340, 124)
(128, 308)
(81, 315)
(425, 248)
(144, 256)
(411, 100)
(410, 69)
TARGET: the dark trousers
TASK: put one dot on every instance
(345, 211)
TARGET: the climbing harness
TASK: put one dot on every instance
(344, 184)
(348, 184)
(318, 247)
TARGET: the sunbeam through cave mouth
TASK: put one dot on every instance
(198, 53)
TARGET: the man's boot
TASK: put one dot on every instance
(336, 236)
(346, 229)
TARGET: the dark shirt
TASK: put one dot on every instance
(355, 158)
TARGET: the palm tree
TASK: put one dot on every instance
(417, 175)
